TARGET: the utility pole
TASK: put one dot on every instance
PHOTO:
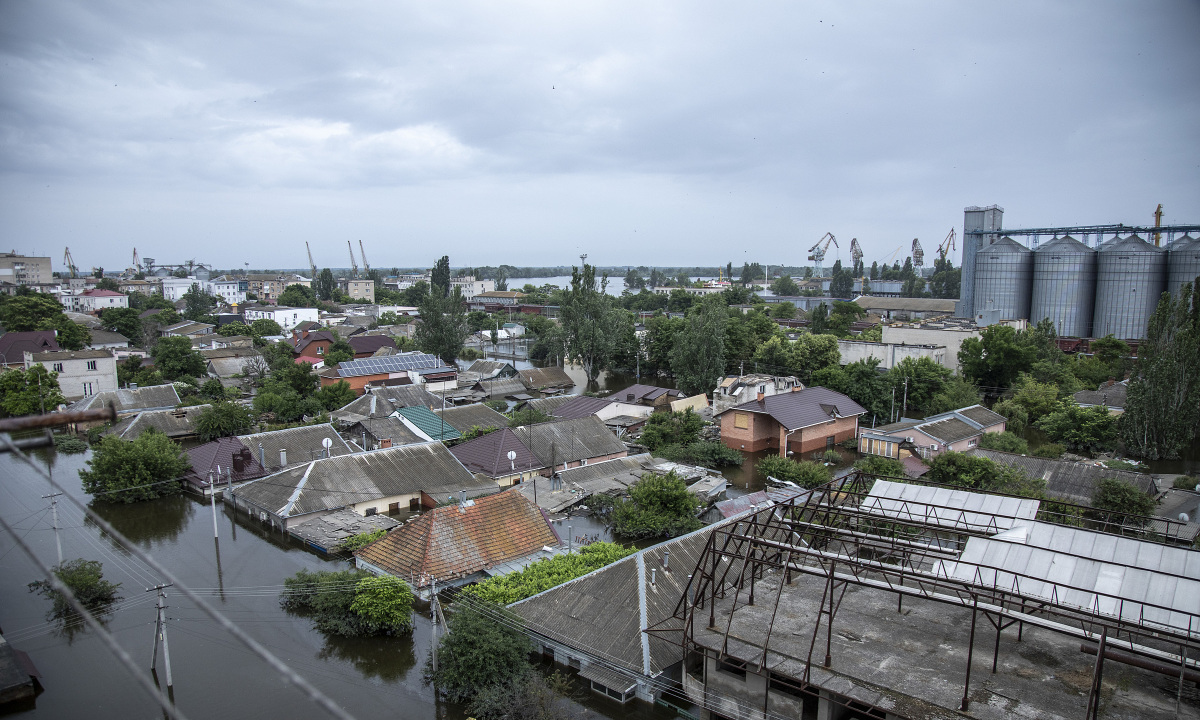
(905, 414)
(53, 497)
(434, 617)
(160, 634)
(892, 412)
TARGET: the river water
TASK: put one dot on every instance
(215, 676)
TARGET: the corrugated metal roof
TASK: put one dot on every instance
(945, 507)
(1109, 396)
(381, 402)
(219, 452)
(1071, 481)
(546, 405)
(455, 541)
(983, 416)
(571, 440)
(226, 367)
(301, 443)
(130, 399)
(803, 408)
(465, 417)
(387, 428)
(430, 424)
(547, 377)
(581, 406)
(762, 498)
(172, 423)
(488, 454)
(491, 368)
(949, 430)
(362, 477)
(501, 386)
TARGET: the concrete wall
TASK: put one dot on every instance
(695, 402)
(951, 340)
(889, 354)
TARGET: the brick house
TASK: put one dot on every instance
(798, 422)
(954, 431)
(312, 344)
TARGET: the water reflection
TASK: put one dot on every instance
(386, 658)
(146, 522)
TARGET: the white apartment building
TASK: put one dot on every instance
(287, 317)
(92, 301)
(81, 373)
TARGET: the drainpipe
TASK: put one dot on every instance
(785, 441)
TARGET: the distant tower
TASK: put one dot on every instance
(975, 218)
(582, 260)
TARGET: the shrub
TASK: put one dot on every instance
(1186, 482)
(484, 650)
(705, 453)
(671, 428)
(658, 506)
(1116, 500)
(1081, 429)
(69, 444)
(1049, 450)
(350, 602)
(85, 579)
(878, 465)
(802, 472)
(547, 573)
(979, 473)
(471, 354)
(361, 540)
(128, 471)
(223, 419)
(1005, 442)
(831, 457)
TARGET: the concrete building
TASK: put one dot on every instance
(230, 289)
(267, 287)
(735, 390)
(92, 301)
(360, 289)
(889, 355)
(81, 373)
(794, 423)
(495, 299)
(287, 317)
(149, 286)
(898, 308)
(25, 269)
(948, 333)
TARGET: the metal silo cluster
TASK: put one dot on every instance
(1183, 263)
(1130, 279)
(1004, 278)
(1064, 286)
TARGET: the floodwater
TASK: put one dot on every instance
(241, 574)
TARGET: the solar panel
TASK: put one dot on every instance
(388, 364)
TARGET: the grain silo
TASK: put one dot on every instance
(1064, 286)
(1130, 277)
(1183, 263)
(1003, 279)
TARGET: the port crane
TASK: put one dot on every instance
(69, 262)
(947, 245)
(816, 253)
(918, 254)
(856, 251)
(353, 265)
(311, 265)
(362, 253)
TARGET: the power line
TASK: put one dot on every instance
(282, 668)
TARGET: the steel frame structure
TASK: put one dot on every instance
(827, 534)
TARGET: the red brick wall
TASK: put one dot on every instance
(812, 439)
(761, 434)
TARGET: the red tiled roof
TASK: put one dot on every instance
(307, 359)
(453, 542)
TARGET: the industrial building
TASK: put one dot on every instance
(1090, 280)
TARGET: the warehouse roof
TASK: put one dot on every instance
(871, 302)
(1074, 482)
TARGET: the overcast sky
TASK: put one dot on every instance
(660, 133)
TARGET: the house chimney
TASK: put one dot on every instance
(239, 462)
(653, 576)
(385, 443)
(666, 559)
(133, 386)
(262, 456)
(283, 457)
(629, 397)
(462, 497)
(761, 395)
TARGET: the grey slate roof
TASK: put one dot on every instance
(344, 480)
(499, 387)
(105, 337)
(580, 406)
(127, 400)
(390, 428)
(492, 368)
(465, 417)
(547, 404)
(301, 443)
(1071, 481)
(381, 402)
(547, 377)
(570, 440)
(610, 477)
(488, 454)
(807, 407)
(981, 415)
(949, 430)
(1111, 396)
(176, 422)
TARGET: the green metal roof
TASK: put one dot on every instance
(429, 423)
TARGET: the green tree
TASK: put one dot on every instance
(946, 282)
(957, 392)
(335, 396)
(70, 335)
(223, 419)
(880, 466)
(661, 333)
(802, 472)
(132, 470)
(234, 329)
(325, 284)
(917, 383)
(995, 359)
(484, 648)
(199, 303)
(339, 352)
(85, 580)
(443, 327)
(818, 319)
(590, 322)
(1088, 430)
(350, 603)
(844, 314)
(785, 286)
(841, 284)
(1162, 409)
(264, 327)
(658, 506)
(1120, 502)
(671, 428)
(1030, 401)
(175, 358)
(698, 357)
(414, 296)
(389, 318)
(783, 311)
(1004, 442)
(107, 284)
(29, 392)
(22, 313)
(297, 295)
(975, 472)
(634, 280)
(809, 353)
(439, 277)
(124, 321)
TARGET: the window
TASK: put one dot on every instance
(972, 442)
(732, 666)
(320, 350)
(741, 420)
(371, 511)
(91, 364)
(58, 367)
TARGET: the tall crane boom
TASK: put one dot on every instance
(918, 254)
(947, 245)
(353, 265)
(817, 252)
(856, 252)
(362, 254)
(69, 262)
(311, 265)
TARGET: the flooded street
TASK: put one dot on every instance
(215, 676)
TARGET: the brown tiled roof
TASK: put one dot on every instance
(370, 343)
(13, 345)
(300, 344)
(453, 542)
(580, 406)
(539, 378)
(810, 406)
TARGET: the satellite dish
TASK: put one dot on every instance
(1183, 517)
(512, 454)
(327, 443)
